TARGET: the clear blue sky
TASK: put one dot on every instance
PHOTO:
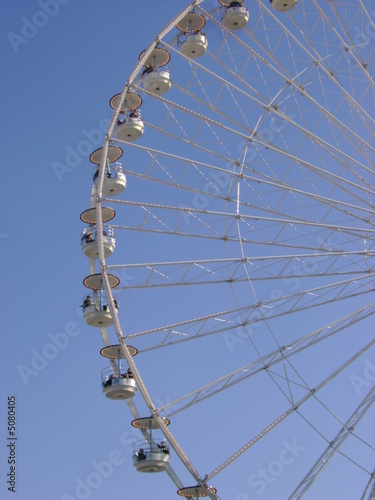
(56, 86)
(60, 66)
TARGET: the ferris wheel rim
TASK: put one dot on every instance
(99, 213)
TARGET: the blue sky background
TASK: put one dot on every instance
(57, 81)
(55, 87)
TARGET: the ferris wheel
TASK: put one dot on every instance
(230, 238)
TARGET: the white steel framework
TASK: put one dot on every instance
(247, 261)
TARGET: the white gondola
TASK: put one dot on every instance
(157, 80)
(117, 381)
(156, 77)
(89, 245)
(234, 16)
(283, 5)
(96, 312)
(192, 42)
(114, 182)
(116, 386)
(146, 459)
(150, 456)
(192, 45)
(97, 317)
(130, 128)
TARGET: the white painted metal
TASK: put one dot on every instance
(97, 317)
(89, 245)
(120, 388)
(236, 17)
(193, 45)
(283, 5)
(149, 458)
(158, 80)
(335, 444)
(131, 129)
(114, 182)
(275, 164)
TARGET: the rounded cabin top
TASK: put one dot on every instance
(115, 351)
(146, 423)
(114, 153)
(89, 215)
(230, 3)
(191, 23)
(95, 282)
(132, 101)
(157, 58)
(196, 491)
